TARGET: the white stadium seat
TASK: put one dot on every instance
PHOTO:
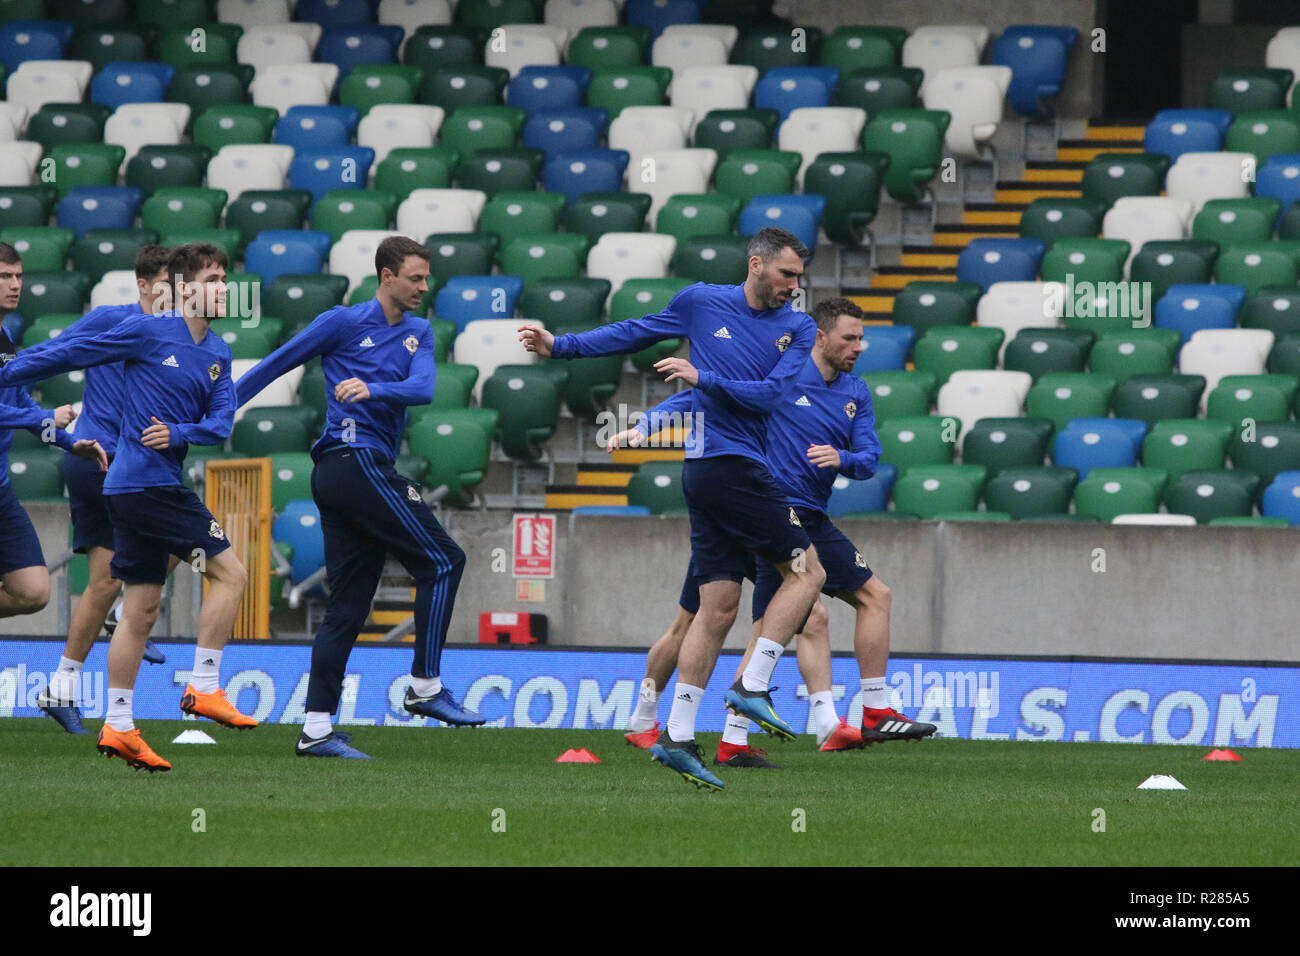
(1012, 306)
(619, 256)
(517, 45)
(1215, 353)
(680, 50)
(1142, 219)
(410, 15)
(280, 392)
(488, 344)
(427, 211)
(116, 287)
(1199, 177)
(240, 167)
(18, 161)
(1160, 520)
(386, 128)
(298, 84)
(812, 130)
(644, 129)
(669, 172)
(37, 82)
(1283, 52)
(133, 125)
(974, 96)
(722, 32)
(283, 43)
(252, 13)
(702, 89)
(972, 394)
(932, 49)
(354, 254)
(13, 121)
(574, 15)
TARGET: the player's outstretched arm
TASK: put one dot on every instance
(77, 352)
(319, 337)
(630, 335)
(536, 339)
(761, 395)
(47, 424)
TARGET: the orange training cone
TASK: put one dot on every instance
(577, 756)
(1221, 755)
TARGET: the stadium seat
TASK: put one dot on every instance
(875, 89)
(1177, 131)
(527, 401)
(721, 260)
(1251, 88)
(488, 344)
(465, 299)
(615, 88)
(1276, 308)
(273, 258)
(646, 129)
(786, 90)
(1106, 493)
(518, 45)
(947, 349)
(1012, 306)
(972, 96)
(1086, 260)
(924, 305)
(462, 85)
(1267, 450)
(1001, 443)
(1227, 221)
(608, 46)
(895, 393)
(237, 168)
(799, 214)
(268, 431)
(986, 261)
(914, 141)
(1037, 57)
(658, 486)
(1111, 176)
(556, 131)
(580, 301)
(456, 254)
(1182, 445)
(972, 394)
(320, 171)
(749, 173)
(599, 170)
(234, 124)
(811, 131)
(426, 211)
(1155, 398)
(85, 164)
(1190, 308)
(1062, 396)
(1257, 398)
(1141, 219)
(619, 256)
(1200, 177)
(862, 47)
(1263, 134)
(1166, 264)
(534, 257)
(1214, 353)
(508, 214)
(1049, 219)
(1031, 492)
(928, 440)
(457, 444)
(1206, 495)
(934, 490)
(298, 525)
(134, 125)
(316, 127)
(1281, 497)
(674, 171)
(935, 48)
(1040, 351)
(850, 497)
(1094, 445)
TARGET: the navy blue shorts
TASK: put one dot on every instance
(737, 510)
(690, 599)
(149, 525)
(846, 568)
(91, 525)
(19, 546)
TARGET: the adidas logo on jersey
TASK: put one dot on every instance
(170, 362)
(367, 343)
(722, 333)
(803, 402)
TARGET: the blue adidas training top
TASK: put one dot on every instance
(817, 412)
(748, 360)
(166, 376)
(395, 361)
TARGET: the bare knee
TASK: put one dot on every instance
(228, 571)
(877, 594)
(29, 595)
(819, 620)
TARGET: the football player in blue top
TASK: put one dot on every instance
(92, 529)
(378, 360)
(178, 390)
(748, 348)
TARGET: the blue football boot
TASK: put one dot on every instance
(686, 759)
(757, 706)
(441, 706)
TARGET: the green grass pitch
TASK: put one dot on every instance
(496, 797)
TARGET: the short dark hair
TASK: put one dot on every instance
(187, 261)
(827, 313)
(151, 260)
(9, 255)
(392, 252)
(768, 242)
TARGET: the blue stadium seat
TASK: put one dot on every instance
(1281, 498)
(316, 127)
(1135, 428)
(299, 525)
(1038, 57)
(880, 353)
(358, 45)
(453, 304)
(791, 92)
(22, 40)
(902, 334)
(272, 259)
(1098, 445)
(99, 207)
(578, 74)
(542, 91)
(986, 261)
(786, 212)
(120, 83)
(589, 171)
(319, 171)
(1174, 132)
(1194, 306)
(657, 14)
(856, 497)
(335, 13)
(565, 131)
(1279, 179)
(624, 510)
(318, 239)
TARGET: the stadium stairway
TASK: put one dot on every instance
(605, 483)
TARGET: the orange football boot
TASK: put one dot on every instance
(644, 739)
(843, 737)
(131, 748)
(214, 706)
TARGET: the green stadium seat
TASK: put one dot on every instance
(1152, 398)
(486, 17)
(36, 477)
(371, 84)
(85, 164)
(613, 46)
(471, 128)
(459, 254)
(1236, 220)
(1173, 262)
(1087, 260)
(229, 124)
(103, 45)
(947, 349)
(895, 393)
(408, 168)
(1263, 133)
(1104, 496)
(463, 85)
(580, 300)
(203, 87)
(657, 485)
(175, 208)
(1250, 398)
(1062, 396)
(914, 141)
(89, 14)
(256, 210)
(1206, 495)
(509, 214)
(725, 131)
(851, 183)
(290, 478)
(43, 248)
(496, 171)
(1276, 308)
(747, 173)
(723, 260)
(879, 88)
(457, 444)
(925, 305)
(614, 87)
(1031, 492)
(1040, 351)
(906, 441)
(95, 254)
(444, 334)
(342, 209)
(168, 13)
(1112, 175)
(433, 46)
(687, 215)
(65, 389)
(27, 205)
(227, 240)
(528, 403)
(45, 293)
(252, 343)
(1258, 521)
(1001, 443)
(930, 491)
(537, 256)
(156, 167)
(1252, 88)
(768, 47)
(1049, 219)
(47, 327)
(1284, 356)
(298, 299)
(1181, 444)
(1135, 352)
(850, 48)
(177, 46)
(1271, 448)
(56, 124)
(268, 430)
(594, 214)
(1254, 265)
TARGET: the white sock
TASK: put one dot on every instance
(737, 731)
(317, 725)
(823, 708)
(875, 693)
(686, 704)
(119, 710)
(66, 681)
(207, 670)
(426, 686)
(647, 707)
(758, 672)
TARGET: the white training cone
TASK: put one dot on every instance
(193, 737)
(1160, 781)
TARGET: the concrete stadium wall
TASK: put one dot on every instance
(959, 588)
